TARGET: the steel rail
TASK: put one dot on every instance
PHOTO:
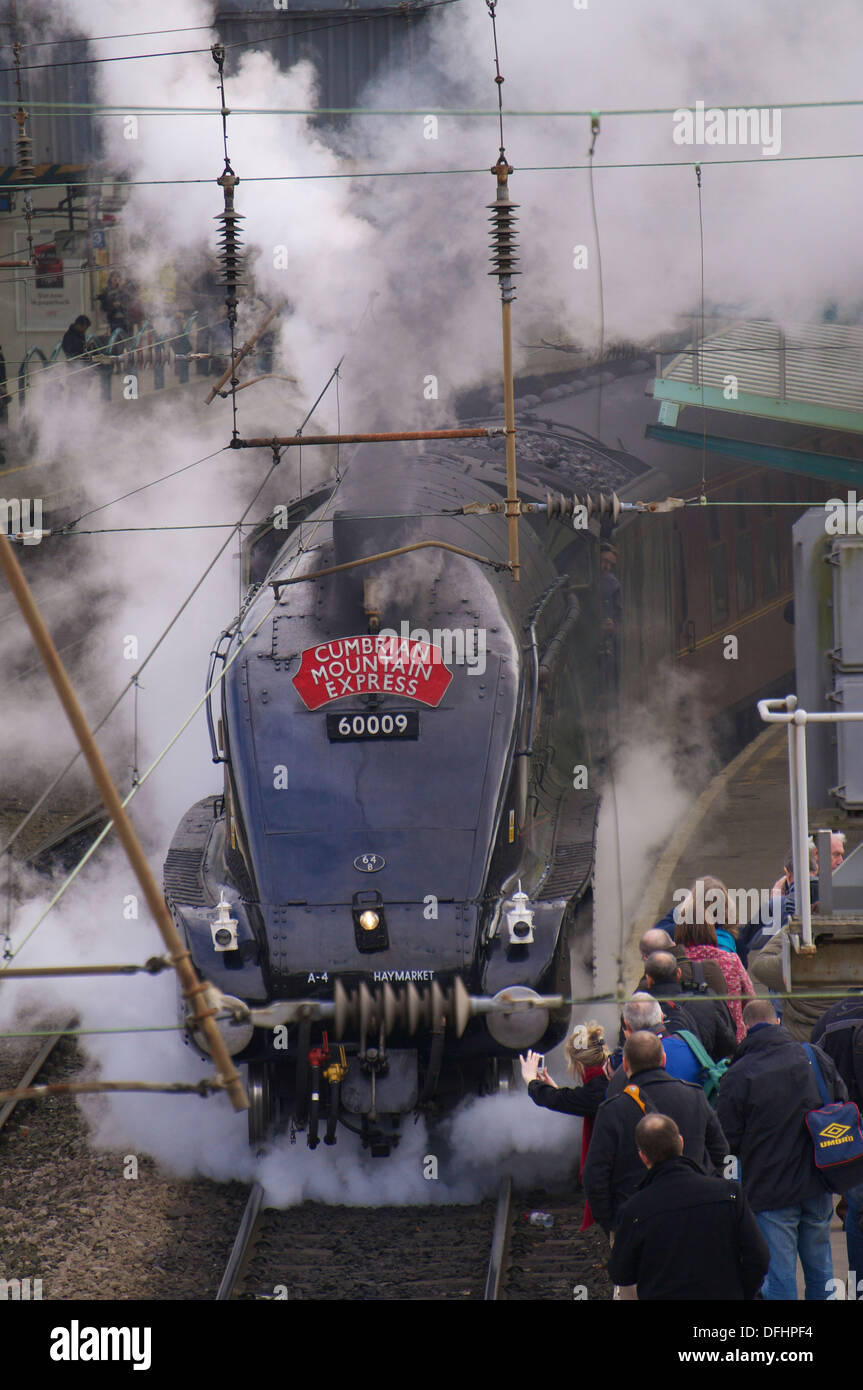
(242, 1244)
(499, 1241)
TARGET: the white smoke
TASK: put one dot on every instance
(416, 247)
(663, 761)
(394, 270)
(190, 1135)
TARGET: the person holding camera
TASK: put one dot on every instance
(588, 1063)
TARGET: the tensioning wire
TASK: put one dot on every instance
(168, 746)
(594, 131)
(232, 525)
(86, 1032)
(701, 336)
(394, 516)
(144, 486)
(434, 173)
(618, 1000)
(422, 111)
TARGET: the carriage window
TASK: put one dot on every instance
(745, 575)
(718, 585)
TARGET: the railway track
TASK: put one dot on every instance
(20, 1064)
(483, 1252)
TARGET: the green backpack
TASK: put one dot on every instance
(711, 1072)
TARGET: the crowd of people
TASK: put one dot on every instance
(696, 1157)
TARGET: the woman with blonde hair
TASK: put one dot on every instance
(587, 1062)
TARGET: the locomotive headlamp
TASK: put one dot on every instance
(370, 927)
(224, 927)
(519, 919)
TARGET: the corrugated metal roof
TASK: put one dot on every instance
(820, 364)
(348, 47)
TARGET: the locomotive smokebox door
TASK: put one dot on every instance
(395, 1091)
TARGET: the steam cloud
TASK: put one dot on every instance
(393, 272)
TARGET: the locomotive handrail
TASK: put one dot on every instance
(533, 619)
(215, 655)
(278, 584)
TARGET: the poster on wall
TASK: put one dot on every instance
(51, 295)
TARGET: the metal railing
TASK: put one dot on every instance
(143, 352)
(785, 711)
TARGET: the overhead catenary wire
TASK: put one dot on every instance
(445, 173)
(422, 111)
(403, 516)
(594, 133)
(701, 335)
(164, 477)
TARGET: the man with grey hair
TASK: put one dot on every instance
(643, 1013)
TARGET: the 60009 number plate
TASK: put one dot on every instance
(350, 726)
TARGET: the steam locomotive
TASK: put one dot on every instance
(382, 894)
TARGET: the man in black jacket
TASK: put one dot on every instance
(763, 1099)
(685, 1235)
(713, 1023)
(613, 1169)
(75, 338)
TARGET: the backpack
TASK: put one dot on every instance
(699, 983)
(834, 1128)
(711, 1072)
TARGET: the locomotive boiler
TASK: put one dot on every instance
(382, 893)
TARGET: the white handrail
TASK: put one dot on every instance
(785, 711)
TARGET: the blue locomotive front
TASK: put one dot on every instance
(379, 895)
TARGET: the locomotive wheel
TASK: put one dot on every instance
(260, 1116)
